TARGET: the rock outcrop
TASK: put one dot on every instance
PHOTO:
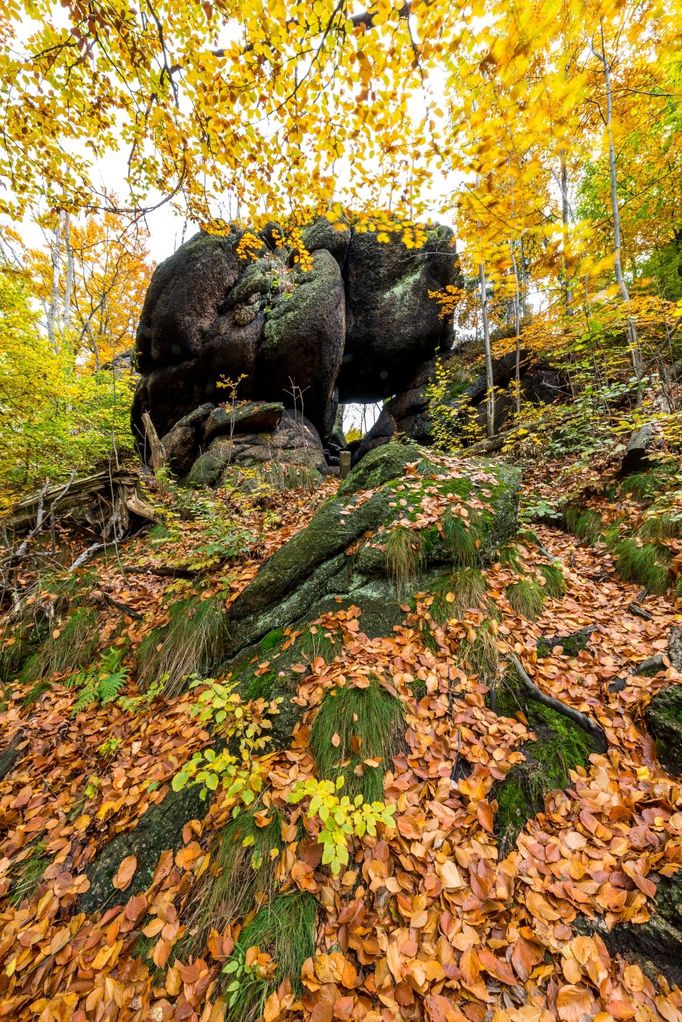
(356, 325)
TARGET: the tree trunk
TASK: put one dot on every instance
(635, 353)
(517, 328)
(490, 388)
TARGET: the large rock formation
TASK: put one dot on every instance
(355, 326)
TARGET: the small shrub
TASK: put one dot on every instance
(527, 598)
(340, 818)
(642, 564)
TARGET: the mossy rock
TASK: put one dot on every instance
(571, 645)
(206, 470)
(314, 564)
(657, 941)
(378, 467)
(158, 830)
(664, 719)
(560, 747)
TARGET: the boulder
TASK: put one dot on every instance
(314, 567)
(355, 325)
(182, 443)
(252, 417)
(303, 341)
(392, 323)
(294, 445)
(664, 720)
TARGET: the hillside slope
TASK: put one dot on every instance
(516, 860)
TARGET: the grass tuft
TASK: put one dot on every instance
(456, 593)
(245, 861)
(585, 523)
(662, 526)
(190, 643)
(73, 647)
(28, 874)
(284, 929)
(481, 653)
(527, 598)
(352, 725)
(510, 557)
(642, 564)
(555, 585)
(403, 555)
(461, 540)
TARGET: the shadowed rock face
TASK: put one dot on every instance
(357, 324)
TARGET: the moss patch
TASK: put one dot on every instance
(561, 746)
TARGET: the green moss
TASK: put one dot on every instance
(642, 563)
(352, 725)
(191, 643)
(527, 597)
(560, 747)
(555, 586)
(73, 647)
(245, 861)
(585, 523)
(285, 929)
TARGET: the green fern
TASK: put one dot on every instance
(102, 683)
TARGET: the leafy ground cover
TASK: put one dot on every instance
(436, 915)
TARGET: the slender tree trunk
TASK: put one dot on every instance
(517, 329)
(635, 353)
(565, 218)
(490, 389)
(68, 286)
(55, 260)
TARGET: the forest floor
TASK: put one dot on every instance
(435, 917)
